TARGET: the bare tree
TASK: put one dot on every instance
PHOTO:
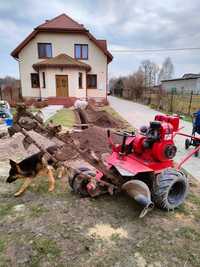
(9, 81)
(111, 85)
(134, 85)
(116, 86)
(167, 70)
(150, 73)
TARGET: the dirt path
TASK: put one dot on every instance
(137, 115)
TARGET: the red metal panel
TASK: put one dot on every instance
(128, 163)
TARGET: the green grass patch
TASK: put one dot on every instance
(188, 233)
(117, 116)
(2, 245)
(65, 117)
(194, 199)
(183, 209)
(44, 248)
(174, 245)
(13, 110)
(41, 186)
(36, 211)
(115, 237)
(5, 209)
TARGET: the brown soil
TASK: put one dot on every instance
(101, 118)
(94, 138)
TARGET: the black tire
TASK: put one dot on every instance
(187, 143)
(171, 189)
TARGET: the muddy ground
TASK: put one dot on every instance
(62, 229)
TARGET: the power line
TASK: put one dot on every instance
(153, 50)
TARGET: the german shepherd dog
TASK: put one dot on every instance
(30, 168)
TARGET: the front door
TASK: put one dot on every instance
(61, 85)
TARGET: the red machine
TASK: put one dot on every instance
(144, 165)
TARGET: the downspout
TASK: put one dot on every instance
(106, 81)
(86, 91)
(21, 96)
(40, 95)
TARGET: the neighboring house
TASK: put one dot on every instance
(61, 58)
(189, 82)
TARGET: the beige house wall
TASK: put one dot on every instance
(73, 86)
(62, 43)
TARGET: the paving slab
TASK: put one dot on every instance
(137, 115)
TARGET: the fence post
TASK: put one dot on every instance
(190, 103)
(1, 93)
(172, 98)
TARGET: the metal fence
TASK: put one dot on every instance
(10, 94)
(174, 102)
(180, 103)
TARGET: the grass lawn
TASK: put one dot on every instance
(13, 110)
(65, 117)
(117, 116)
(61, 229)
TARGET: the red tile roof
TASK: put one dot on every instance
(61, 61)
(103, 44)
(63, 23)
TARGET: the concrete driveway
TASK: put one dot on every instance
(138, 115)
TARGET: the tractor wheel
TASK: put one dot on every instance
(187, 143)
(72, 177)
(78, 183)
(171, 190)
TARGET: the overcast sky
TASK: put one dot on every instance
(126, 24)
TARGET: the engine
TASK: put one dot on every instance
(156, 141)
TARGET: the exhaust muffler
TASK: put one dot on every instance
(139, 191)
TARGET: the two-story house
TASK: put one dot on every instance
(61, 58)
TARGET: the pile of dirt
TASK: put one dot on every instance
(94, 138)
(101, 118)
(68, 150)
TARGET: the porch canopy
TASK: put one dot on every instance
(61, 61)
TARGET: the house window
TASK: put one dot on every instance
(92, 81)
(80, 80)
(81, 51)
(44, 50)
(35, 82)
(43, 80)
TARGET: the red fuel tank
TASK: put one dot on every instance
(173, 119)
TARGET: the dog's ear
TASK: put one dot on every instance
(12, 163)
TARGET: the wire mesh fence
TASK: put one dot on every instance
(171, 102)
(175, 103)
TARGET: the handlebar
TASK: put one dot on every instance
(125, 133)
